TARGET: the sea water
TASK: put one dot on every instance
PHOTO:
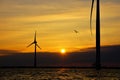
(58, 74)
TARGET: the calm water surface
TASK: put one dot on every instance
(58, 74)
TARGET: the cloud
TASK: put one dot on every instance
(109, 57)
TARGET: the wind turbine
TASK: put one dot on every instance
(98, 63)
(36, 45)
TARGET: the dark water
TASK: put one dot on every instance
(58, 74)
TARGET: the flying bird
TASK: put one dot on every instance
(76, 31)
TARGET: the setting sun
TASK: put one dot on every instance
(63, 51)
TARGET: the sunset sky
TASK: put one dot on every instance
(55, 22)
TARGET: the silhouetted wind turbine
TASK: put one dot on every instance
(98, 64)
(36, 45)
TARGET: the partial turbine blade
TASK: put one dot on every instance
(35, 37)
(30, 44)
(91, 16)
(38, 46)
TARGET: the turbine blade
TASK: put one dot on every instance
(30, 44)
(35, 37)
(91, 16)
(38, 46)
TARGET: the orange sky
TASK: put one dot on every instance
(55, 22)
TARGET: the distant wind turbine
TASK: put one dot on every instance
(98, 63)
(36, 45)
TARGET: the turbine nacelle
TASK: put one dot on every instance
(35, 42)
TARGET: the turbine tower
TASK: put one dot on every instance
(36, 45)
(98, 61)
